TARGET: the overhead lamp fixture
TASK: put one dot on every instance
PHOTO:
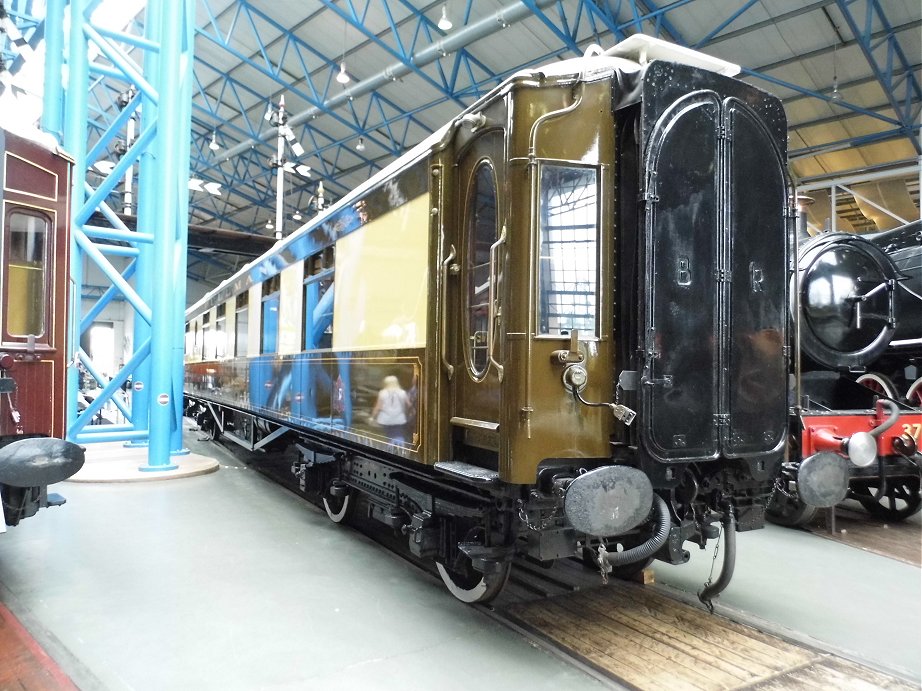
(269, 224)
(320, 200)
(342, 77)
(361, 145)
(445, 23)
(296, 216)
(213, 145)
(835, 95)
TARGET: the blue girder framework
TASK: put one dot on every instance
(248, 56)
(153, 70)
(332, 118)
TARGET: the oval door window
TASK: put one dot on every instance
(481, 234)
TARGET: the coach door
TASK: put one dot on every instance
(477, 297)
(714, 376)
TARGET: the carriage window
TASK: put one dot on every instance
(318, 301)
(241, 325)
(270, 315)
(25, 306)
(569, 261)
(221, 331)
(481, 234)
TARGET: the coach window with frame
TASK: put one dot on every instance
(241, 324)
(481, 234)
(26, 275)
(568, 268)
(318, 300)
(270, 315)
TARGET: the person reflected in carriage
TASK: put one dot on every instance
(391, 409)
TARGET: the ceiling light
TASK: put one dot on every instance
(213, 145)
(445, 23)
(296, 216)
(361, 145)
(343, 76)
(835, 95)
(269, 225)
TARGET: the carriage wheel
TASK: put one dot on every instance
(338, 508)
(879, 384)
(914, 395)
(469, 585)
(901, 500)
(789, 509)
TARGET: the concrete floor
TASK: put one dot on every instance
(228, 581)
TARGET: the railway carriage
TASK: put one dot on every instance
(34, 230)
(555, 327)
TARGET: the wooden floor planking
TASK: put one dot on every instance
(898, 540)
(645, 639)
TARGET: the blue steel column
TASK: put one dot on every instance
(186, 31)
(146, 209)
(75, 143)
(52, 107)
(158, 246)
(171, 150)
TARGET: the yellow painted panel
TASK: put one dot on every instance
(291, 295)
(25, 301)
(254, 324)
(382, 276)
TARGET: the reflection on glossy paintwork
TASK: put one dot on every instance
(373, 398)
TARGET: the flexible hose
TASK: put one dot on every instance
(876, 432)
(651, 546)
(726, 573)
(890, 421)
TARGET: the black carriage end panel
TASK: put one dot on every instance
(714, 260)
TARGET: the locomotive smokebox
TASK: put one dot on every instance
(609, 500)
(847, 301)
(39, 461)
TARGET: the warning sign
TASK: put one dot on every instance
(138, 386)
(163, 398)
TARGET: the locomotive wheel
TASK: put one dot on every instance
(469, 585)
(901, 500)
(789, 511)
(879, 384)
(914, 395)
(337, 508)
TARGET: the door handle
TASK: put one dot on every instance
(494, 310)
(443, 310)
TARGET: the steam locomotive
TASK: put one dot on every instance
(34, 249)
(557, 327)
(858, 383)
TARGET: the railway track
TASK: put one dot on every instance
(628, 635)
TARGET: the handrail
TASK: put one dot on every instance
(494, 310)
(443, 312)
